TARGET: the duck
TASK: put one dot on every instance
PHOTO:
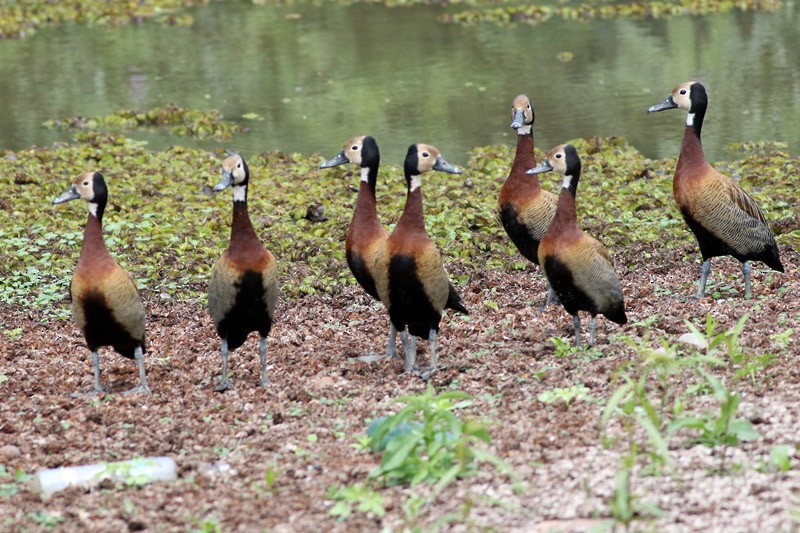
(577, 265)
(243, 290)
(725, 219)
(365, 236)
(411, 280)
(106, 304)
(525, 209)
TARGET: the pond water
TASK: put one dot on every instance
(316, 76)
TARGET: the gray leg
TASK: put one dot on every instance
(551, 297)
(96, 370)
(98, 388)
(592, 325)
(428, 373)
(142, 386)
(410, 346)
(576, 322)
(391, 348)
(223, 383)
(748, 289)
(704, 272)
(262, 356)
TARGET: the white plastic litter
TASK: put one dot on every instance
(133, 472)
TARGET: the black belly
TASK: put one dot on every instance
(359, 269)
(519, 233)
(710, 245)
(102, 329)
(249, 312)
(409, 303)
(572, 298)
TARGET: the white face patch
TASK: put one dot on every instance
(566, 181)
(365, 174)
(93, 209)
(690, 119)
(239, 193)
(416, 183)
(525, 130)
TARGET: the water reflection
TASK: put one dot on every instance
(335, 72)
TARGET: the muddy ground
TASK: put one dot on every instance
(303, 425)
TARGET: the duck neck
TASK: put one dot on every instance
(365, 223)
(413, 215)
(524, 158)
(369, 177)
(691, 148)
(93, 242)
(566, 214)
(242, 231)
(365, 204)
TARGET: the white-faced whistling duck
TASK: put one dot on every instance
(526, 210)
(577, 266)
(365, 236)
(724, 218)
(244, 284)
(411, 279)
(105, 301)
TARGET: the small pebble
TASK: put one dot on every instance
(323, 383)
(9, 451)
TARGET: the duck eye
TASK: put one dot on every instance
(355, 147)
(239, 165)
(85, 183)
(682, 91)
(425, 154)
(558, 156)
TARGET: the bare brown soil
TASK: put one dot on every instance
(318, 389)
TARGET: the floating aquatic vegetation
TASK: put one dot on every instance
(194, 123)
(19, 19)
(537, 13)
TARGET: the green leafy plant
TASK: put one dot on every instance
(780, 458)
(565, 394)
(268, 484)
(781, 340)
(564, 347)
(647, 397)
(13, 334)
(45, 519)
(359, 497)
(427, 442)
(209, 524)
(625, 505)
(744, 365)
(711, 341)
(722, 428)
(12, 483)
